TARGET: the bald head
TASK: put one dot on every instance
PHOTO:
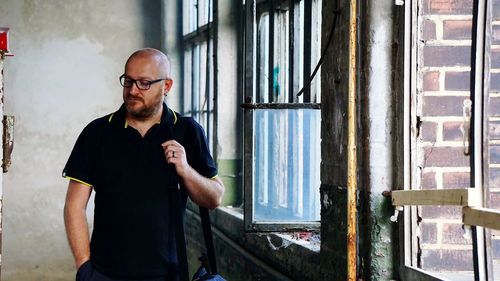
(161, 60)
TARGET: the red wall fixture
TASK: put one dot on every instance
(4, 39)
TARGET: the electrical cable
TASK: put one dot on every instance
(329, 40)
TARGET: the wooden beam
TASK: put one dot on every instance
(487, 218)
(458, 197)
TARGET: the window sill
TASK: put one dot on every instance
(276, 252)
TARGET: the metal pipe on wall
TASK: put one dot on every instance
(351, 147)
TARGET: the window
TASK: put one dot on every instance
(198, 29)
(282, 129)
(451, 147)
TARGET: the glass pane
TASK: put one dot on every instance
(286, 165)
(262, 88)
(441, 160)
(187, 82)
(493, 118)
(281, 63)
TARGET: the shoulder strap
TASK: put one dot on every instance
(179, 129)
(178, 133)
(209, 243)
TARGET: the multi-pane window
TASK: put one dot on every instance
(452, 138)
(282, 129)
(198, 29)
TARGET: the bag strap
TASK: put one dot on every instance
(209, 242)
(178, 132)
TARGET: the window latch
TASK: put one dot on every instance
(465, 127)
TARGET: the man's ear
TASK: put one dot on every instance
(168, 86)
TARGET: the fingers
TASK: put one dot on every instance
(174, 152)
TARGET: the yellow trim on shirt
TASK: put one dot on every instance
(126, 124)
(80, 181)
(110, 117)
(175, 116)
(213, 177)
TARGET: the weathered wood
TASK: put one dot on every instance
(459, 197)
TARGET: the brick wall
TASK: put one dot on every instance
(443, 56)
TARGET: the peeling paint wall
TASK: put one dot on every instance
(68, 57)
(377, 141)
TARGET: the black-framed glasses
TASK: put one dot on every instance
(141, 84)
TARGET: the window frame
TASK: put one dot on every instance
(481, 217)
(199, 40)
(252, 9)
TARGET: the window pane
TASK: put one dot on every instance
(493, 118)
(263, 59)
(441, 160)
(286, 165)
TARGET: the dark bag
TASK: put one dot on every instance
(209, 272)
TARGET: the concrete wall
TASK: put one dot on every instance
(68, 57)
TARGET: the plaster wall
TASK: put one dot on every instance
(68, 57)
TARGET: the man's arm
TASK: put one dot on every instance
(75, 220)
(203, 191)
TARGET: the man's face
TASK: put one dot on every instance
(139, 103)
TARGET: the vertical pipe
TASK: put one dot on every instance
(307, 49)
(351, 146)
(291, 52)
(271, 53)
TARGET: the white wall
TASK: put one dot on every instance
(68, 57)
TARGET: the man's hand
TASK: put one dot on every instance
(203, 191)
(75, 220)
(176, 155)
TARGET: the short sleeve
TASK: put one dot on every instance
(198, 153)
(78, 167)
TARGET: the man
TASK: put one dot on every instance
(132, 162)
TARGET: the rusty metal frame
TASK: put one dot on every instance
(252, 9)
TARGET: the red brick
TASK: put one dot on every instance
(428, 181)
(456, 180)
(429, 30)
(494, 130)
(431, 81)
(452, 131)
(496, 10)
(449, 7)
(445, 157)
(459, 260)
(494, 154)
(495, 82)
(457, 81)
(494, 177)
(494, 107)
(428, 131)
(495, 34)
(495, 58)
(494, 199)
(453, 234)
(443, 106)
(429, 232)
(442, 212)
(457, 29)
(495, 245)
(447, 56)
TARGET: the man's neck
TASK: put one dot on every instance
(144, 124)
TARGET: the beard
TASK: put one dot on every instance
(141, 112)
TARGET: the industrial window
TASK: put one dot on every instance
(451, 222)
(282, 128)
(198, 30)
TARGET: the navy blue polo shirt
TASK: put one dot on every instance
(133, 235)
